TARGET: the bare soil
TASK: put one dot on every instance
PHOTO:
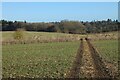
(89, 65)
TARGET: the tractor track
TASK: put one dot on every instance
(87, 69)
(75, 70)
(101, 70)
(89, 65)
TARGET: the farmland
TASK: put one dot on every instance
(108, 49)
(7, 36)
(42, 36)
(59, 40)
(38, 60)
(52, 59)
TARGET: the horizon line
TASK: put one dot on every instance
(59, 20)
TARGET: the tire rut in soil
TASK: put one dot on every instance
(88, 64)
(87, 69)
(102, 71)
(75, 70)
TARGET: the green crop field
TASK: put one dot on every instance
(38, 60)
(108, 49)
(51, 59)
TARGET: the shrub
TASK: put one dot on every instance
(19, 34)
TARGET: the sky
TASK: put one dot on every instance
(57, 11)
(119, 11)
(60, 0)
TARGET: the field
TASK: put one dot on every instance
(104, 36)
(9, 34)
(42, 37)
(108, 49)
(38, 60)
(52, 59)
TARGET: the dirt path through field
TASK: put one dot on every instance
(87, 69)
(88, 63)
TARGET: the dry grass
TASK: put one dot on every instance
(40, 37)
(104, 36)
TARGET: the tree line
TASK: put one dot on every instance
(64, 26)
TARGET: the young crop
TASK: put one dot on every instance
(43, 60)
